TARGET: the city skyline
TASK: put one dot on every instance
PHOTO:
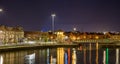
(84, 15)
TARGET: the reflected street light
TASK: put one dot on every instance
(53, 19)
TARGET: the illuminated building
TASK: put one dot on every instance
(9, 35)
(33, 35)
(92, 35)
(115, 36)
(60, 35)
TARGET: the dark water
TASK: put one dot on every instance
(61, 55)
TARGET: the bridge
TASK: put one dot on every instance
(102, 41)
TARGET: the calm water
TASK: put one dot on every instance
(62, 55)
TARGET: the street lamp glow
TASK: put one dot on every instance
(53, 15)
(1, 10)
(74, 29)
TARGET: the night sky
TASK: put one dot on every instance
(85, 15)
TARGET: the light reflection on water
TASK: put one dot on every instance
(1, 59)
(117, 56)
(30, 59)
(104, 57)
(62, 55)
(74, 59)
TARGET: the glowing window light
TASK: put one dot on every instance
(1, 31)
(96, 37)
(84, 37)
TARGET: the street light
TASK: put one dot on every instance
(74, 29)
(53, 19)
(1, 10)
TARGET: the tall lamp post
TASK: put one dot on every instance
(53, 20)
(1, 10)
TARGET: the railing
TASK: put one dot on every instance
(95, 40)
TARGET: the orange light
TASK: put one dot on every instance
(96, 37)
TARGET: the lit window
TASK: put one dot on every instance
(96, 37)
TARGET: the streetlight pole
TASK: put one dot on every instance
(1, 10)
(53, 22)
